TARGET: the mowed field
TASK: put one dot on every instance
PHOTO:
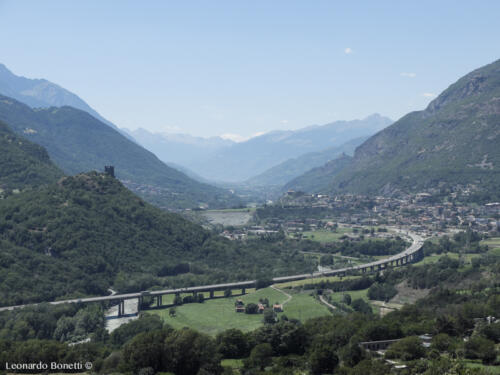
(217, 315)
(434, 258)
(325, 236)
(494, 245)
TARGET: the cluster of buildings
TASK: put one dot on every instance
(239, 307)
(419, 212)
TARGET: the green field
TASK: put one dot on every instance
(494, 245)
(233, 363)
(434, 258)
(493, 242)
(217, 315)
(325, 236)
(355, 294)
(477, 364)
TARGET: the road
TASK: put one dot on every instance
(415, 246)
(322, 299)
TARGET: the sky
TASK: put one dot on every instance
(239, 68)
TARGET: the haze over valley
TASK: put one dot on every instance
(260, 188)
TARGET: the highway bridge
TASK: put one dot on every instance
(411, 254)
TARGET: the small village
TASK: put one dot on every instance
(419, 213)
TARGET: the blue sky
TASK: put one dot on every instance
(243, 67)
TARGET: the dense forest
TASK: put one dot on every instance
(86, 233)
(23, 164)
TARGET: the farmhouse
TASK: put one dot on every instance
(239, 306)
(278, 308)
(261, 308)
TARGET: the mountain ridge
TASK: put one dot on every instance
(23, 164)
(284, 173)
(78, 142)
(41, 93)
(452, 143)
(238, 162)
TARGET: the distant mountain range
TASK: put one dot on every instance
(217, 159)
(287, 171)
(454, 142)
(179, 149)
(315, 180)
(78, 142)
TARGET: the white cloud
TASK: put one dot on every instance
(239, 138)
(409, 75)
(257, 134)
(348, 50)
(428, 95)
(233, 137)
(284, 121)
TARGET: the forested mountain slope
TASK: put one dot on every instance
(314, 180)
(78, 142)
(291, 169)
(88, 232)
(453, 142)
(23, 164)
(40, 93)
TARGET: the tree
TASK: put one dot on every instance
(145, 350)
(269, 316)
(232, 343)
(125, 332)
(479, 347)
(443, 343)
(251, 308)
(407, 349)
(323, 359)
(260, 356)
(186, 351)
(372, 367)
(227, 293)
(361, 306)
(352, 354)
(346, 298)
(177, 300)
(326, 260)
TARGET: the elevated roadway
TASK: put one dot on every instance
(411, 254)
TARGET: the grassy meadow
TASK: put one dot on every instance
(325, 236)
(217, 315)
(355, 294)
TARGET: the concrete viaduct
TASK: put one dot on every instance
(411, 254)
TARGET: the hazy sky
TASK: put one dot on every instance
(242, 67)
